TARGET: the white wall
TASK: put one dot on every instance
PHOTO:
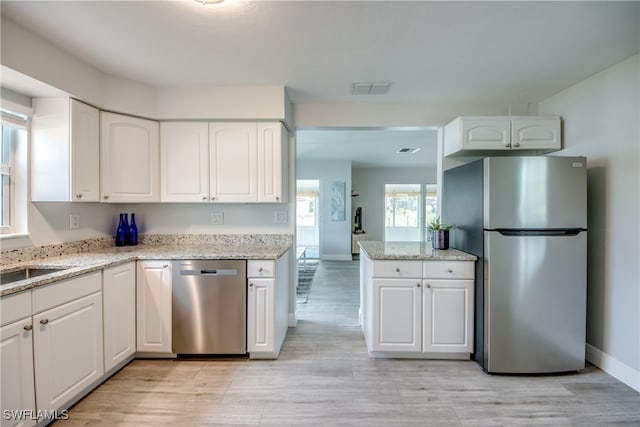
(369, 183)
(335, 236)
(601, 117)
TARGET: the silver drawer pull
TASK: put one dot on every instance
(28, 327)
(260, 269)
(44, 321)
(397, 270)
(450, 270)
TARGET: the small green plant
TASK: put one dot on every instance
(435, 225)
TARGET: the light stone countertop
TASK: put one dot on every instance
(81, 263)
(412, 251)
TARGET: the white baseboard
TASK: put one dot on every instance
(614, 367)
(336, 257)
(293, 320)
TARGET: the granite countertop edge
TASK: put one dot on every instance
(412, 251)
(81, 263)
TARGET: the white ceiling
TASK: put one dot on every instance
(445, 52)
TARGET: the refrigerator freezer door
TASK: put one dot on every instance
(535, 192)
(535, 303)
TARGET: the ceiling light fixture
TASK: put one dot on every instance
(206, 2)
(408, 150)
(370, 88)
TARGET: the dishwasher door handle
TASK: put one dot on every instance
(222, 272)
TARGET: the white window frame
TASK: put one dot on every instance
(19, 178)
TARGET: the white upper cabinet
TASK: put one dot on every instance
(184, 161)
(65, 151)
(478, 136)
(129, 159)
(233, 161)
(273, 144)
(535, 133)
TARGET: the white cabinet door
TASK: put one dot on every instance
(16, 357)
(448, 316)
(232, 162)
(184, 166)
(129, 159)
(260, 315)
(119, 305)
(535, 133)
(489, 133)
(273, 146)
(65, 151)
(154, 306)
(397, 315)
(67, 350)
(85, 152)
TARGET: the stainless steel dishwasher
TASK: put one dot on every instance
(209, 307)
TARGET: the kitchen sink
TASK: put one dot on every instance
(26, 273)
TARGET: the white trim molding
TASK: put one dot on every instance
(613, 367)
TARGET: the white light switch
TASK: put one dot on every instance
(74, 221)
(280, 217)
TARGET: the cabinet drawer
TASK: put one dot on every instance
(449, 269)
(261, 269)
(397, 269)
(62, 292)
(15, 307)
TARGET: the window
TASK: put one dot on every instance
(13, 175)
(408, 210)
(307, 210)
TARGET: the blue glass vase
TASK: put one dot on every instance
(121, 234)
(133, 231)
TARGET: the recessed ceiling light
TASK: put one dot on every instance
(408, 150)
(206, 2)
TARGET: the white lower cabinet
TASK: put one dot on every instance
(68, 351)
(267, 306)
(447, 320)
(153, 291)
(398, 305)
(16, 357)
(119, 309)
(417, 308)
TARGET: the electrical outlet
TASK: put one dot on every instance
(216, 218)
(74, 221)
(280, 217)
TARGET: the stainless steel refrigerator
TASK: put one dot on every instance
(526, 220)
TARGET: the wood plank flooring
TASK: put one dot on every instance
(324, 377)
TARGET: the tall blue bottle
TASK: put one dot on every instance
(133, 231)
(121, 235)
(125, 224)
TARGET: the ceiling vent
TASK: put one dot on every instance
(408, 150)
(370, 88)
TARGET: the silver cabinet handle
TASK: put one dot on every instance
(417, 285)
(28, 327)
(213, 197)
(165, 265)
(397, 270)
(516, 144)
(277, 198)
(44, 321)
(79, 195)
(251, 285)
(106, 196)
(260, 269)
(428, 285)
(204, 197)
(450, 270)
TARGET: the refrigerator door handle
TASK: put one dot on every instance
(540, 232)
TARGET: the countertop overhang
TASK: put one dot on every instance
(378, 250)
(86, 262)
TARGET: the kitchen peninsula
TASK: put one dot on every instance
(416, 302)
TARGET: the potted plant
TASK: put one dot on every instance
(439, 234)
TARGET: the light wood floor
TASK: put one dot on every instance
(325, 378)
